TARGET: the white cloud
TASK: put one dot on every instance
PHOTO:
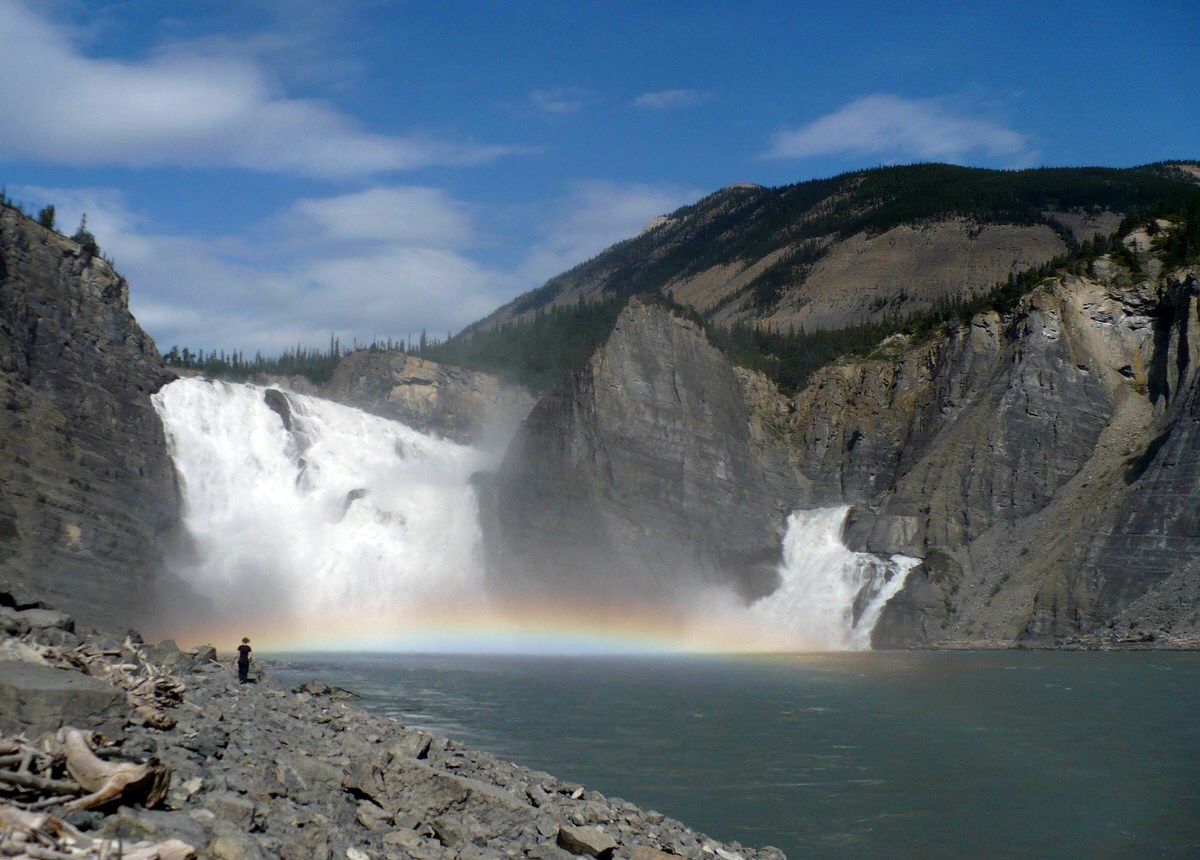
(190, 105)
(402, 215)
(592, 216)
(891, 127)
(671, 99)
(563, 100)
(304, 275)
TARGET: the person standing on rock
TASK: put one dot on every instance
(243, 660)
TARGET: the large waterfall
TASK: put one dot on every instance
(317, 525)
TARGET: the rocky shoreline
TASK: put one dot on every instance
(258, 771)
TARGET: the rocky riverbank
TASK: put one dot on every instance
(258, 771)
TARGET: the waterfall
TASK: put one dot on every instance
(299, 506)
(318, 525)
(830, 597)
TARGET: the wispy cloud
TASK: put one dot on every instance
(891, 127)
(563, 100)
(190, 104)
(592, 216)
(672, 99)
(400, 215)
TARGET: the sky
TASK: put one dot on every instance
(268, 174)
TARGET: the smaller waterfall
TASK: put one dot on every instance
(830, 597)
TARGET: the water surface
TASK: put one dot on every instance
(929, 755)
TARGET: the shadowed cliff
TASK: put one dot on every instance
(639, 476)
(87, 488)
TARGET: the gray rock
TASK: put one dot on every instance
(37, 699)
(591, 841)
(204, 655)
(154, 825)
(640, 476)
(235, 846)
(239, 811)
(12, 623)
(414, 744)
(48, 619)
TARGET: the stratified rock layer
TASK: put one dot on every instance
(641, 475)
(458, 404)
(86, 484)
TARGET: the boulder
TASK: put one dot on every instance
(590, 841)
(37, 699)
(47, 619)
(11, 622)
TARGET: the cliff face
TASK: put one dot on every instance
(641, 475)
(87, 488)
(459, 404)
(1042, 463)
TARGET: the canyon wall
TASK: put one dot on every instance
(1041, 462)
(87, 488)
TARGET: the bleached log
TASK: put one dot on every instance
(109, 781)
(39, 783)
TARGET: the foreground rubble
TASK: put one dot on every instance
(257, 771)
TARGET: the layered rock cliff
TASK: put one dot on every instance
(459, 404)
(87, 488)
(1041, 462)
(641, 476)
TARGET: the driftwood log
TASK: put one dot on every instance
(107, 782)
(41, 836)
(69, 773)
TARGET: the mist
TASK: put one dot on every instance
(316, 526)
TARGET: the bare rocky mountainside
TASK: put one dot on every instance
(1037, 456)
(860, 247)
(87, 488)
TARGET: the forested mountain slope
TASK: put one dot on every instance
(862, 246)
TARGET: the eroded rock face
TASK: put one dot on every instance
(458, 404)
(642, 475)
(87, 488)
(1042, 464)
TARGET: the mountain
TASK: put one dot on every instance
(87, 488)
(1038, 456)
(862, 246)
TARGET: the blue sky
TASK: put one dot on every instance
(268, 173)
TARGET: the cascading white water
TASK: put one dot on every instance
(348, 530)
(344, 512)
(829, 596)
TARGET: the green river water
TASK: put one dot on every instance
(1002, 754)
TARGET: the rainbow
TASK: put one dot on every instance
(498, 627)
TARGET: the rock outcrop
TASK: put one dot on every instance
(458, 404)
(641, 476)
(87, 488)
(1041, 463)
